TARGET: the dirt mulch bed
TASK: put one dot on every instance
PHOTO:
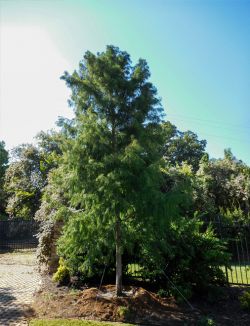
(137, 306)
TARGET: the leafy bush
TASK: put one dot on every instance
(124, 312)
(206, 321)
(62, 275)
(245, 300)
(188, 259)
(162, 293)
(230, 216)
(183, 260)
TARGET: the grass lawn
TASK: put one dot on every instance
(72, 322)
(238, 274)
(134, 270)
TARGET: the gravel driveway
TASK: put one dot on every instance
(19, 280)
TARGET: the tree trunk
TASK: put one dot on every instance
(118, 257)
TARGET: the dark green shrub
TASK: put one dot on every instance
(215, 294)
(181, 292)
(206, 321)
(124, 312)
(188, 259)
(163, 293)
(245, 300)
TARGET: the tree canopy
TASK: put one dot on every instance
(182, 147)
(26, 176)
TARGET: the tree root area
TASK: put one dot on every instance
(137, 305)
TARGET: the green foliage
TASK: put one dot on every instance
(181, 292)
(182, 147)
(187, 257)
(225, 184)
(23, 182)
(4, 158)
(215, 294)
(49, 144)
(113, 163)
(206, 321)
(124, 312)
(62, 275)
(26, 176)
(245, 300)
(234, 215)
(163, 293)
(116, 165)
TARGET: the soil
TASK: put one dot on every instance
(137, 305)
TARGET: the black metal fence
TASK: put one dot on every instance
(237, 237)
(18, 234)
(237, 240)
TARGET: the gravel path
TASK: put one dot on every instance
(18, 282)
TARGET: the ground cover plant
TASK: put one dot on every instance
(245, 300)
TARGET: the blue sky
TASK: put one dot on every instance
(198, 53)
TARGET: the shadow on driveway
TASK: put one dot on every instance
(6, 296)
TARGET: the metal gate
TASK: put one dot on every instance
(18, 234)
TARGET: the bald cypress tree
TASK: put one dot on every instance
(113, 158)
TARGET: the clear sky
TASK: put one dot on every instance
(198, 53)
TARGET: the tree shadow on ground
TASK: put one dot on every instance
(10, 311)
(6, 296)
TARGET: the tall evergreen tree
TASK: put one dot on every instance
(114, 158)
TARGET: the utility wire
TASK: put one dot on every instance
(220, 136)
(218, 126)
(221, 123)
(175, 287)
(225, 137)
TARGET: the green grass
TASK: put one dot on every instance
(134, 270)
(238, 274)
(72, 322)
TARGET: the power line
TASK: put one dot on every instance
(207, 121)
(225, 137)
(220, 136)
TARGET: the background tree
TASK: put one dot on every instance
(27, 174)
(4, 158)
(182, 147)
(226, 184)
(24, 181)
